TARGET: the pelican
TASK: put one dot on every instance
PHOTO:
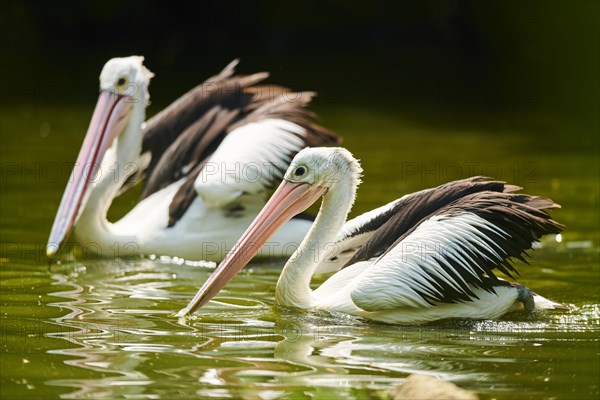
(207, 161)
(427, 256)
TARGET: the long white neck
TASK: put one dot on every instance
(118, 163)
(293, 287)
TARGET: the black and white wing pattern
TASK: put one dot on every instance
(370, 234)
(259, 148)
(450, 250)
(189, 116)
(179, 141)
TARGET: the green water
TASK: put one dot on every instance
(104, 329)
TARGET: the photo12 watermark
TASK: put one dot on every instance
(440, 172)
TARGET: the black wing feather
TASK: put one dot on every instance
(185, 134)
(412, 209)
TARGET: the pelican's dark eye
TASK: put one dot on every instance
(121, 83)
(300, 171)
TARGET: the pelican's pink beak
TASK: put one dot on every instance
(288, 200)
(108, 121)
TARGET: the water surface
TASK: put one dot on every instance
(104, 328)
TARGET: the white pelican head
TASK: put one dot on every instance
(126, 76)
(324, 167)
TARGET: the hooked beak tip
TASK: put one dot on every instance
(185, 312)
(51, 251)
(194, 305)
(181, 313)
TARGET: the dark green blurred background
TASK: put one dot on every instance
(454, 60)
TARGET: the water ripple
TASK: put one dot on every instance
(119, 325)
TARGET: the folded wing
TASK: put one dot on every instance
(444, 254)
(267, 124)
